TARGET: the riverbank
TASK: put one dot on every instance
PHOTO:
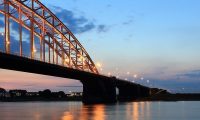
(27, 99)
(173, 97)
(160, 97)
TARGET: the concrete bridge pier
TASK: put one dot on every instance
(130, 91)
(99, 91)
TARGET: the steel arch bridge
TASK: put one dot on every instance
(56, 43)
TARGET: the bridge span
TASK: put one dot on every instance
(96, 88)
(30, 29)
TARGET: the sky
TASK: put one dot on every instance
(157, 40)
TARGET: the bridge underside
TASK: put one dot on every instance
(96, 88)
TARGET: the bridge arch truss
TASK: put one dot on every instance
(49, 39)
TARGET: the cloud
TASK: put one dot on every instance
(191, 74)
(177, 86)
(76, 24)
(127, 22)
(108, 5)
(14, 45)
(102, 28)
(29, 85)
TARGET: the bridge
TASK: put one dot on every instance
(34, 40)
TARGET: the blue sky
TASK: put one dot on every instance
(155, 39)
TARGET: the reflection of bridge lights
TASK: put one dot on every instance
(142, 78)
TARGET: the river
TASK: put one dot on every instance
(121, 111)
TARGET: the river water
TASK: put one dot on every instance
(120, 111)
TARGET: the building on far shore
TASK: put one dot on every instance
(2, 92)
(75, 94)
(18, 93)
(32, 94)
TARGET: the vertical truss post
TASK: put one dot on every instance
(56, 55)
(40, 48)
(82, 59)
(7, 27)
(62, 45)
(70, 52)
(20, 31)
(53, 50)
(32, 33)
(76, 56)
(43, 38)
(49, 50)
(43, 41)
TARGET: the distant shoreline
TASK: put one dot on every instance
(160, 97)
(40, 99)
(173, 97)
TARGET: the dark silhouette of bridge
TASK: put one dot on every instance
(55, 51)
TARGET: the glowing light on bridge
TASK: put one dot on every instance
(34, 50)
(98, 64)
(7, 42)
(109, 73)
(135, 76)
(66, 60)
(2, 34)
(148, 81)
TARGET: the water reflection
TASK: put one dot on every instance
(67, 116)
(119, 111)
(93, 112)
(135, 111)
(99, 112)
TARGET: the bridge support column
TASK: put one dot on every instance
(129, 92)
(99, 91)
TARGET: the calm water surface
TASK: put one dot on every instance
(120, 111)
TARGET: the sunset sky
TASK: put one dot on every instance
(159, 40)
